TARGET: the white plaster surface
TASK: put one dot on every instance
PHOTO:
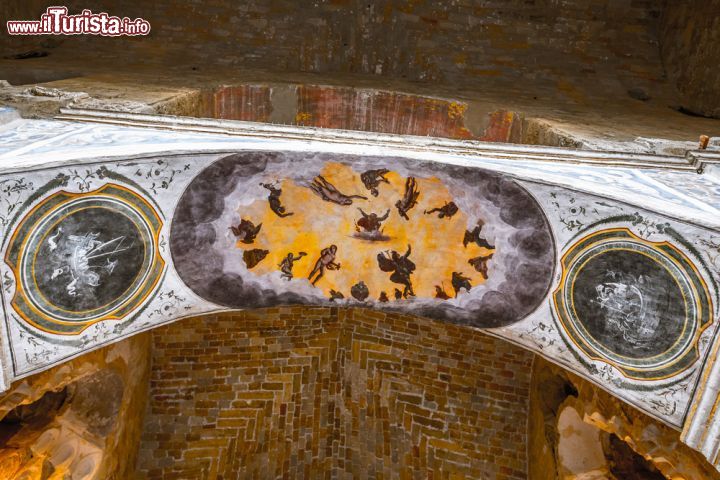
(37, 150)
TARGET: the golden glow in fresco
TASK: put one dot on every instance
(437, 243)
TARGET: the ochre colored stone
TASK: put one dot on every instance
(90, 428)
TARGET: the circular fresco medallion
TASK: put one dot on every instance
(82, 258)
(637, 305)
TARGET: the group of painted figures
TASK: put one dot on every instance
(368, 227)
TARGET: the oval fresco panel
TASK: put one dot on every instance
(638, 305)
(82, 258)
(263, 229)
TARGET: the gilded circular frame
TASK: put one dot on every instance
(640, 306)
(81, 258)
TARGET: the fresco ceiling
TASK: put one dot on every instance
(267, 229)
(164, 225)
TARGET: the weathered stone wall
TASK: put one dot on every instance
(568, 45)
(690, 44)
(351, 109)
(577, 73)
(321, 393)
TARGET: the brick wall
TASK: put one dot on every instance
(590, 70)
(690, 41)
(333, 393)
(571, 45)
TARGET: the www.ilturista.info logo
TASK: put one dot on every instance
(56, 21)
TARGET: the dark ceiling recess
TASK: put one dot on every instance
(37, 414)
